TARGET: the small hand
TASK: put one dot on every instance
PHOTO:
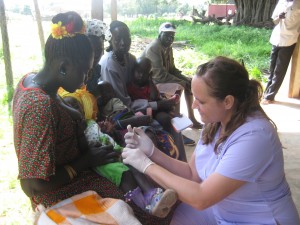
(136, 158)
(98, 156)
(137, 138)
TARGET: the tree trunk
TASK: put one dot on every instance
(39, 24)
(6, 53)
(254, 12)
(114, 10)
(97, 9)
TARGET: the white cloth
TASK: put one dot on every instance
(169, 88)
(286, 32)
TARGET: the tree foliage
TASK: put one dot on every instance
(155, 7)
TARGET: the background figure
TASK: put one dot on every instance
(117, 63)
(95, 30)
(166, 76)
(162, 110)
(236, 174)
(136, 186)
(286, 17)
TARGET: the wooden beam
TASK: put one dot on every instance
(97, 9)
(114, 10)
(6, 54)
(294, 85)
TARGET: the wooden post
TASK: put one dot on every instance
(294, 85)
(6, 53)
(39, 24)
(114, 10)
(97, 9)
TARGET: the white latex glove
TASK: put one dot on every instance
(136, 158)
(137, 138)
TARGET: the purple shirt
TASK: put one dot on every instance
(252, 153)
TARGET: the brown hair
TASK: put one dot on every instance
(224, 77)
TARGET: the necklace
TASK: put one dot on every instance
(121, 62)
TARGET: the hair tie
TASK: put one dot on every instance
(59, 31)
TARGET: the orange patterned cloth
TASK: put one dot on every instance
(88, 208)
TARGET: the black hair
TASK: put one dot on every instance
(144, 63)
(224, 77)
(76, 47)
(113, 25)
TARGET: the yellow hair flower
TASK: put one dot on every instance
(58, 31)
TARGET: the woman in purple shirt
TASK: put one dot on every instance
(236, 174)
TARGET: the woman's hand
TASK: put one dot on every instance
(136, 158)
(137, 138)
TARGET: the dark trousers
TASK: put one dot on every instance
(279, 62)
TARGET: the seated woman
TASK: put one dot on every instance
(45, 135)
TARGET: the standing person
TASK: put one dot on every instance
(166, 76)
(236, 174)
(283, 39)
(52, 167)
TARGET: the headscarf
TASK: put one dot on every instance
(86, 100)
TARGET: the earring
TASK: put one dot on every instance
(63, 73)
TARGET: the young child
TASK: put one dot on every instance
(136, 185)
(142, 87)
(115, 116)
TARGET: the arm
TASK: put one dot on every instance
(119, 85)
(37, 145)
(154, 93)
(97, 156)
(199, 195)
(160, 72)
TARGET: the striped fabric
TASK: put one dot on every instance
(88, 208)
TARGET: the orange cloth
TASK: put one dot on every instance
(87, 208)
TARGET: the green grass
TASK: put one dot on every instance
(205, 42)
(241, 43)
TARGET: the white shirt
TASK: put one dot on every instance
(287, 30)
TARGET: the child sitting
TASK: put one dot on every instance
(142, 87)
(115, 116)
(136, 185)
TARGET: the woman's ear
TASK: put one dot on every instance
(229, 101)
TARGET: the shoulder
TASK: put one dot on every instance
(155, 44)
(105, 59)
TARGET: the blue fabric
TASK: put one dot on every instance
(253, 153)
